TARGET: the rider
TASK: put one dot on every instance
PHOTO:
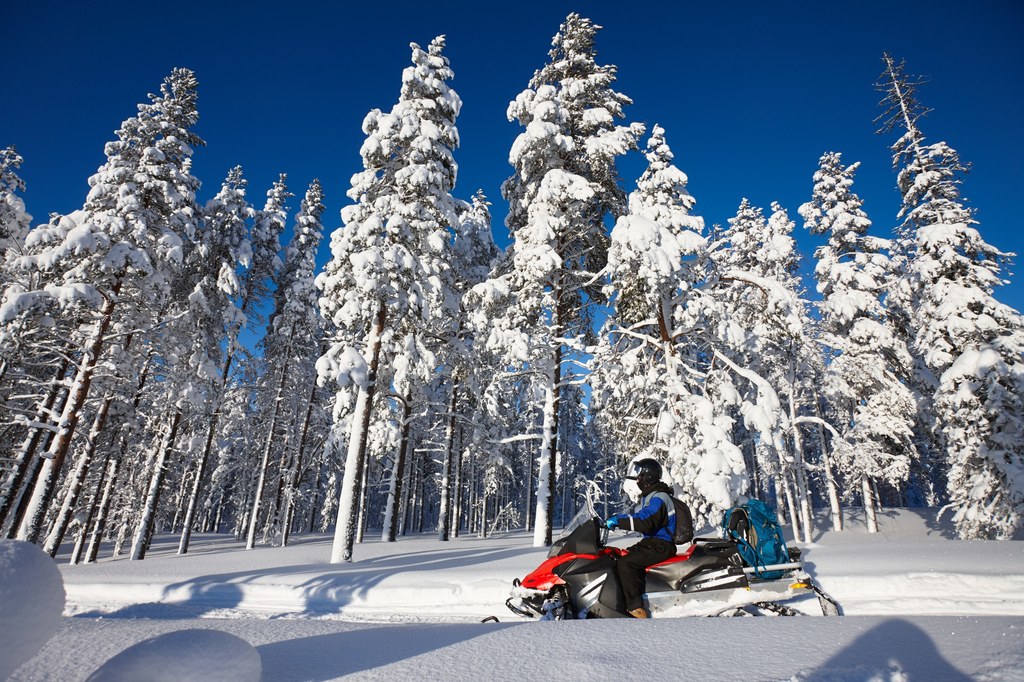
(655, 518)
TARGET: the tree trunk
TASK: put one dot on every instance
(528, 514)
(799, 469)
(548, 453)
(77, 478)
(421, 475)
(102, 512)
(457, 510)
(345, 530)
(316, 489)
(25, 458)
(364, 498)
(144, 532)
(250, 538)
(215, 526)
(22, 499)
(869, 505)
(780, 500)
(293, 486)
(122, 537)
(42, 492)
(414, 498)
(830, 481)
(179, 500)
(549, 438)
(756, 479)
(483, 510)
(446, 469)
(91, 515)
(393, 506)
(790, 498)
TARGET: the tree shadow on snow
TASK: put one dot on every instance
(328, 589)
(889, 520)
(201, 600)
(895, 649)
(327, 657)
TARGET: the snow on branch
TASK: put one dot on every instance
(781, 302)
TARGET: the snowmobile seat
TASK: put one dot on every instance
(714, 543)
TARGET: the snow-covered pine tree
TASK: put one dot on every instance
(290, 348)
(227, 244)
(265, 240)
(564, 186)
(390, 267)
(736, 308)
(14, 220)
(473, 252)
(14, 333)
(649, 383)
(799, 373)
(763, 334)
(204, 325)
(39, 336)
(428, 208)
(473, 248)
(970, 344)
(465, 358)
(866, 380)
(122, 253)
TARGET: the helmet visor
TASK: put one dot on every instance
(631, 488)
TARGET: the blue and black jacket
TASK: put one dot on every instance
(655, 515)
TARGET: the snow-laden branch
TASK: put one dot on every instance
(780, 300)
(806, 419)
(515, 439)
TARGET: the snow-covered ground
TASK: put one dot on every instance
(918, 606)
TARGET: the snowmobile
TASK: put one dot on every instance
(578, 579)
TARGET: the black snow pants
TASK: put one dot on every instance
(630, 568)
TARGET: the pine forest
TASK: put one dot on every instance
(174, 359)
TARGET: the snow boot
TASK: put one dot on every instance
(639, 613)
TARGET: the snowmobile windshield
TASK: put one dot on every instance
(581, 535)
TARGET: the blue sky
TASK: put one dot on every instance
(750, 93)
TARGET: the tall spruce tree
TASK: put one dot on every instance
(14, 220)
(650, 383)
(866, 381)
(473, 252)
(765, 336)
(291, 344)
(118, 262)
(565, 185)
(226, 242)
(969, 344)
(390, 267)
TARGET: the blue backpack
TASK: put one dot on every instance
(756, 530)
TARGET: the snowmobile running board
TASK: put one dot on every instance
(773, 567)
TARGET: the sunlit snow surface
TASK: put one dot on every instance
(31, 601)
(918, 606)
(192, 655)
